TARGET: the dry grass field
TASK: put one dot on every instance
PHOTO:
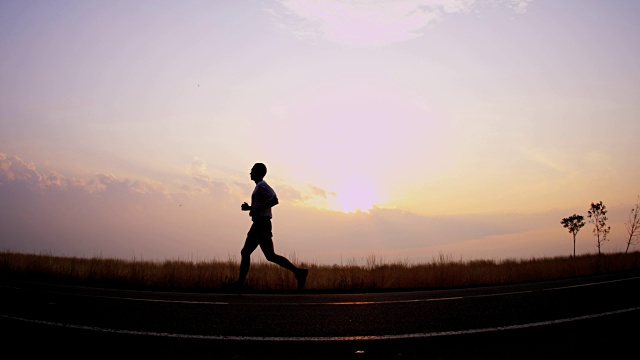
(369, 274)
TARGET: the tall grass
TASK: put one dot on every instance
(372, 273)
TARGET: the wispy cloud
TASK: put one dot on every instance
(14, 171)
(371, 23)
(519, 6)
(110, 215)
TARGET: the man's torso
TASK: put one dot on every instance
(260, 196)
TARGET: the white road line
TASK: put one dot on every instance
(122, 298)
(339, 302)
(376, 302)
(327, 338)
(163, 301)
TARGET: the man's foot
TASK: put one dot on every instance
(301, 276)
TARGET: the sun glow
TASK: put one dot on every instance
(355, 197)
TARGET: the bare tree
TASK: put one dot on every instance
(574, 223)
(597, 215)
(633, 225)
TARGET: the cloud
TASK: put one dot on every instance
(111, 216)
(223, 191)
(519, 6)
(17, 172)
(374, 22)
(13, 168)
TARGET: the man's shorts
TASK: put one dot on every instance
(260, 229)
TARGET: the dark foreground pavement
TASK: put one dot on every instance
(592, 318)
(612, 337)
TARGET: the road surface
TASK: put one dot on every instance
(587, 318)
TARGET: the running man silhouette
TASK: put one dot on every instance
(263, 199)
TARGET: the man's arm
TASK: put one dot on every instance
(257, 209)
(272, 202)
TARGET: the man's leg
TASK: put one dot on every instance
(269, 253)
(300, 274)
(245, 263)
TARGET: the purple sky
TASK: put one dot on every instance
(402, 129)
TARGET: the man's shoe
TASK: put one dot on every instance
(301, 276)
(238, 287)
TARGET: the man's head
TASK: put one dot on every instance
(258, 171)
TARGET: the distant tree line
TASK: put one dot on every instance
(597, 215)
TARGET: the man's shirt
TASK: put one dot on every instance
(260, 196)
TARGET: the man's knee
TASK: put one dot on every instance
(245, 253)
(273, 257)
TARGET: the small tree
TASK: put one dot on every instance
(597, 215)
(633, 225)
(574, 223)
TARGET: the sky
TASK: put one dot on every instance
(405, 130)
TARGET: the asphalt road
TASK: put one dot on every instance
(585, 318)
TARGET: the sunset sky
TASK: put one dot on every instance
(400, 129)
